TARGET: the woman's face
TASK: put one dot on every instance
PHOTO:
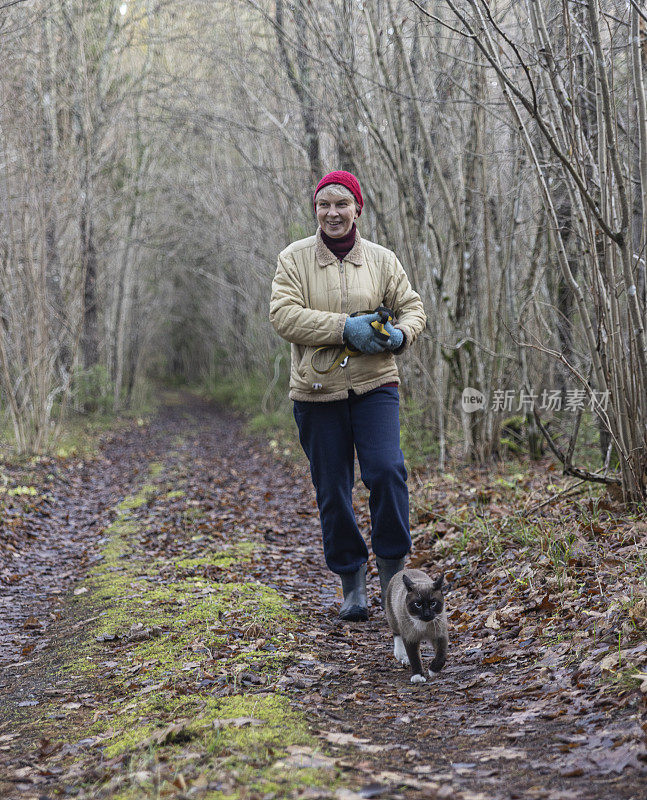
(335, 214)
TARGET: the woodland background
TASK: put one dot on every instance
(156, 156)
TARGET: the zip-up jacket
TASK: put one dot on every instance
(313, 293)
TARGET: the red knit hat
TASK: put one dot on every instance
(346, 179)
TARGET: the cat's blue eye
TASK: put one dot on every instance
(417, 604)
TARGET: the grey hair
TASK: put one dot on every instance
(338, 190)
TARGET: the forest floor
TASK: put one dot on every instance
(168, 629)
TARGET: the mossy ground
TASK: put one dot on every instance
(160, 677)
(174, 646)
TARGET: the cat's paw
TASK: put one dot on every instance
(400, 652)
(436, 666)
(418, 679)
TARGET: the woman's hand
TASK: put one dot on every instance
(360, 335)
(396, 337)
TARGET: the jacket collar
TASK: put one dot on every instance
(325, 257)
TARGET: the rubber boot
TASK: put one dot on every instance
(387, 567)
(355, 605)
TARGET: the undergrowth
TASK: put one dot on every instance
(578, 564)
(265, 405)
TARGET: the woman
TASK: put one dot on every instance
(352, 404)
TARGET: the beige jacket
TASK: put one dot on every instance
(313, 294)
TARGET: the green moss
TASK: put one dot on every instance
(138, 792)
(155, 469)
(245, 548)
(21, 490)
(129, 739)
(137, 500)
(222, 560)
(262, 780)
(281, 725)
(174, 635)
(141, 717)
(254, 750)
(158, 618)
(174, 493)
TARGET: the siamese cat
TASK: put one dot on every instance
(415, 609)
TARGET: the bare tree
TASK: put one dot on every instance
(538, 91)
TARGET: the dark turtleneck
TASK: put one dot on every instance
(341, 246)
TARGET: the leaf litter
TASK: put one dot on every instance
(541, 696)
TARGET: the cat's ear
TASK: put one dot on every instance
(439, 582)
(407, 582)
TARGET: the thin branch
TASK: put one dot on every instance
(467, 340)
(641, 13)
(569, 469)
(441, 22)
(494, 62)
(515, 49)
(552, 498)
(12, 3)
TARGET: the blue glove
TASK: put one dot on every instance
(396, 337)
(359, 334)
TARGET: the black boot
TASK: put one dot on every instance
(355, 606)
(387, 567)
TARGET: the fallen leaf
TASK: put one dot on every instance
(494, 753)
(342, 738)
(153, 688)
(492, 622)
(374, 790)
(347, 794)
(180, 782)
(236, 722)
(23, 773)
(165, 735)
(303, 758)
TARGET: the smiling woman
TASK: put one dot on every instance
(336, 210)
(323, 294)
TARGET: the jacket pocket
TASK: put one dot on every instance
(304, 375)
(301, 358)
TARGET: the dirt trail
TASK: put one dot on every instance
(486, 727)
(59, 539)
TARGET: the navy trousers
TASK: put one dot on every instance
(329, 434)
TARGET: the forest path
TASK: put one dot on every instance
(200, 654)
